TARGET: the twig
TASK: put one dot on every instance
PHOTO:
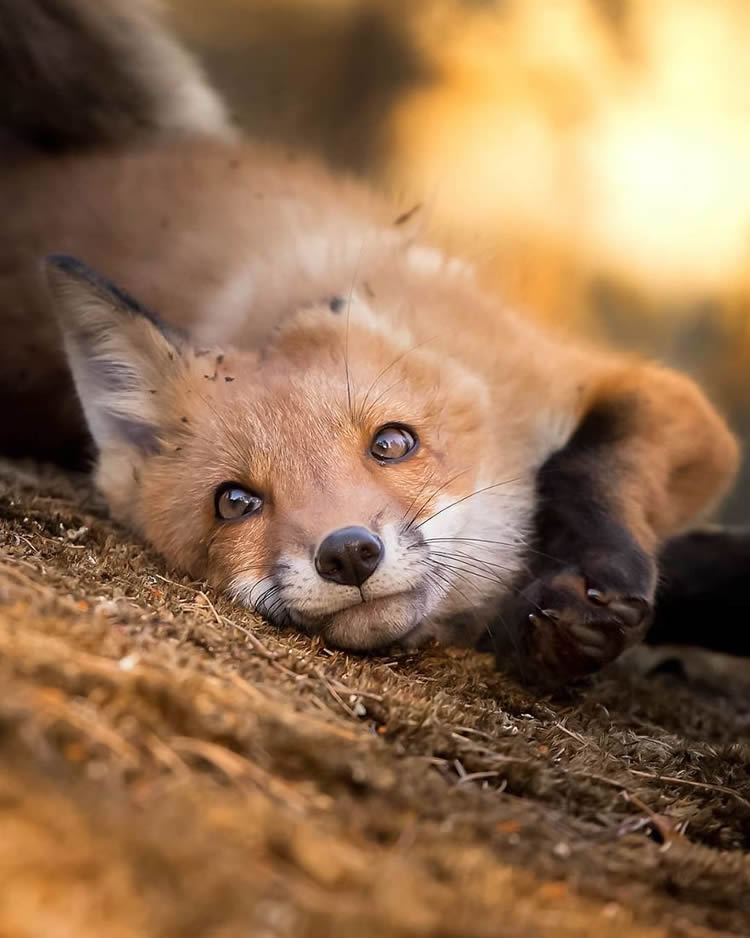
(576, 736)
(334, 693)
(236, 767)
(661, 824)
(166, 756)
(673, 780)
(474, 776)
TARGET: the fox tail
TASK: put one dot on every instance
(88, 73)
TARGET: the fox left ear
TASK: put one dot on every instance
(118, 352)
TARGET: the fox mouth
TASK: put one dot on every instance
(369, 623)
(365, 621)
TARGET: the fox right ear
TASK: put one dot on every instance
(118, 351)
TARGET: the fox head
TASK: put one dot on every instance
(339, 478)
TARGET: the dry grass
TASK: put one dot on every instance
(172, 767)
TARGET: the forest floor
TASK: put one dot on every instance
(174, 768)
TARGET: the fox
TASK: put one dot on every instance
(292, 393)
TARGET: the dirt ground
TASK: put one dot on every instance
(173, 767)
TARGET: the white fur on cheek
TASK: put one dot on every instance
(476, 544)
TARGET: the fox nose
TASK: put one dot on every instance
(349, 556)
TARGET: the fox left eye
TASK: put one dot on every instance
(233, 502)
(393, 443)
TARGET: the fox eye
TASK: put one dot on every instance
(393, 442)
(233, 502)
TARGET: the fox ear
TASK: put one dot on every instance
(118, 352)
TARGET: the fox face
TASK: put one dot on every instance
(340, 478)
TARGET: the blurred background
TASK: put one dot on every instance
(592, 157)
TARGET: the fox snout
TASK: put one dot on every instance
(349, 556)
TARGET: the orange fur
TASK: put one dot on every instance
(269, 385)
(242, 249)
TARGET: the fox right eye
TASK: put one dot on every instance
(233, 502)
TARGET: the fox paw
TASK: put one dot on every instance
(569, 624)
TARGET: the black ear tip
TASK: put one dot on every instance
(72, 267)
(107, 291)
(66, 263)
(75, 269)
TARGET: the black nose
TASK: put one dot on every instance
(349, 556)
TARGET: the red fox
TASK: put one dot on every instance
(299, 400)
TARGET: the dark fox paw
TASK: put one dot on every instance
(568, 624)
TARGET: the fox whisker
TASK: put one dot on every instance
(434, 495)
(464, 498)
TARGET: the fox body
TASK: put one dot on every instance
(301, 402)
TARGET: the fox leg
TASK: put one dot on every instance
(648, 455)
(703, 597)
